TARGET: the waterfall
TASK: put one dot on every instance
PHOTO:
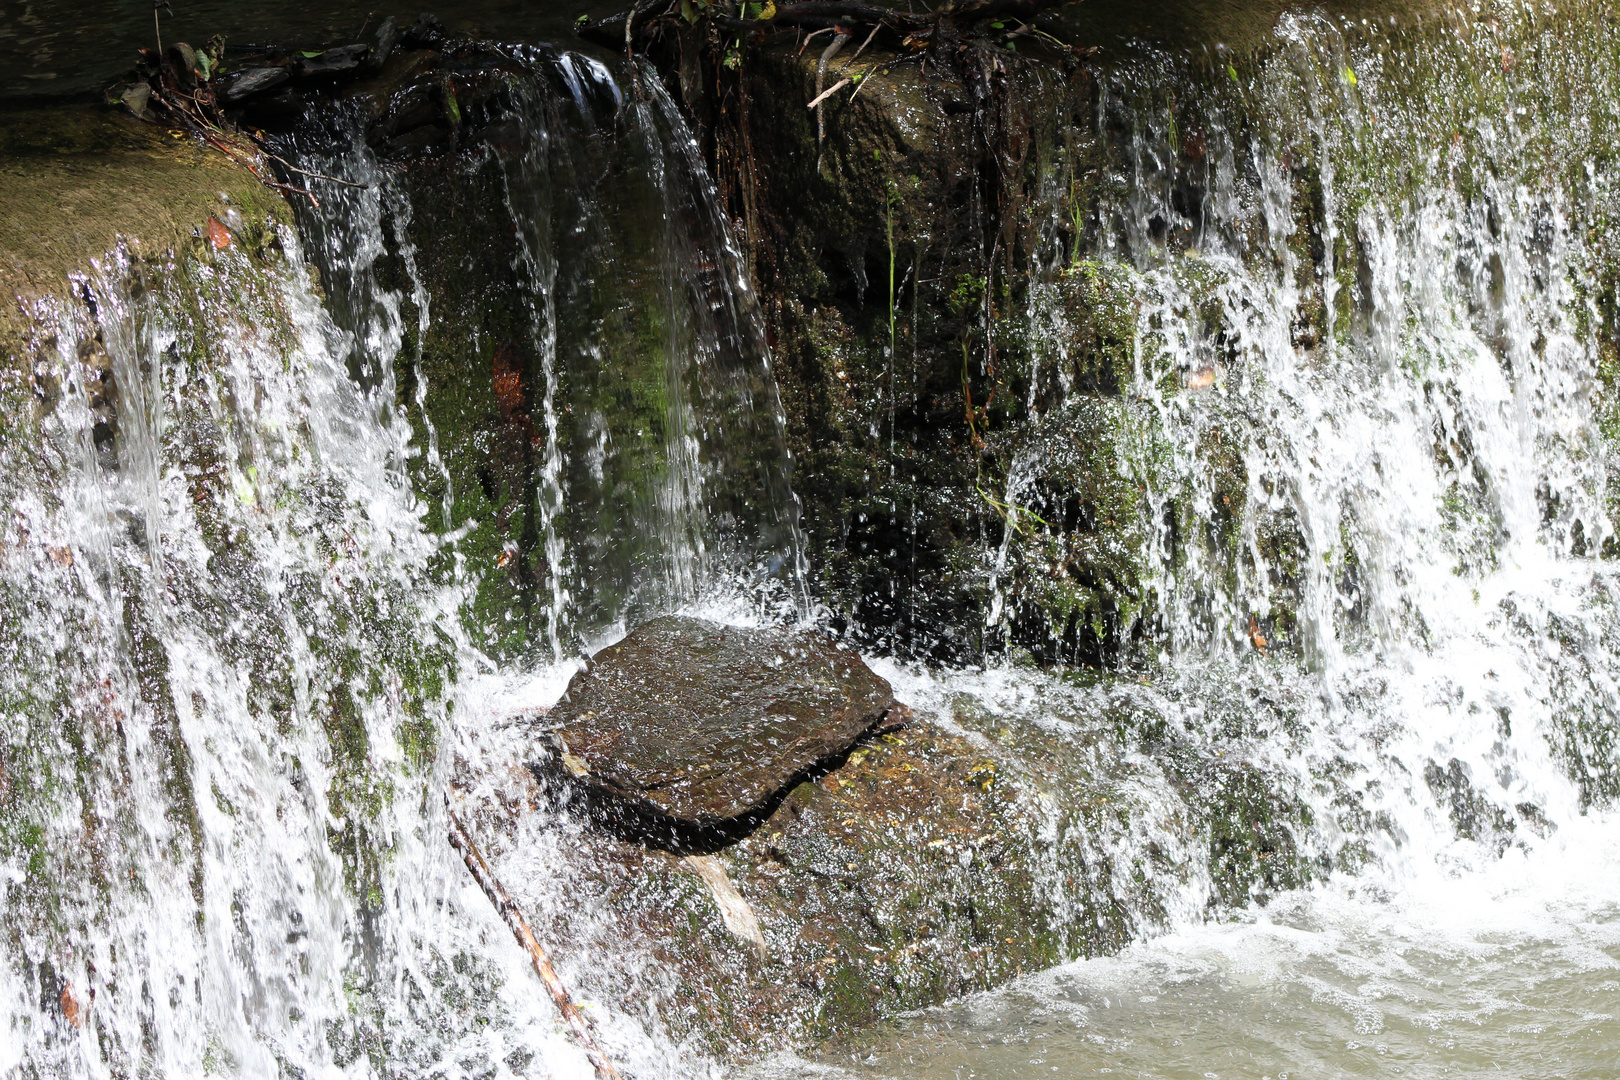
(297, 531)
(1357, 305)
(1377, 447)
(1354, 416)
(244, 657)
(632, 453)
(223, 681)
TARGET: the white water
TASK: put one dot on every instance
(1422, 490)
(1439, 958)
(235, 684)
(194, 624)
(1514, 972)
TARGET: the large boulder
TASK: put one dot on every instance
(686, 735)
(995, 835)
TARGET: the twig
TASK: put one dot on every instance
(880, 69)
(192, 112)
(630, 47)
(875, 28)
(503, 902)
(316, 175)
(811, 37)
(829, 92)
(157, 31)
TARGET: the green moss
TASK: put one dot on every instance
(80, 180)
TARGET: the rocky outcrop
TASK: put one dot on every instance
(686, 735)
(80, 182)
(95, 200)
(919, 864)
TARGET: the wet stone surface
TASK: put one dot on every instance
(686, 735)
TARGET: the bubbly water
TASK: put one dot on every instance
(1429, 454)
(236, 684)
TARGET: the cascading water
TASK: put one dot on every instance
(236, 677)
(1365, 416)
(246, 654)
(634, 456)
(215, 761)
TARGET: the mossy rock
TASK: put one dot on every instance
(943, 859)
(81, 181)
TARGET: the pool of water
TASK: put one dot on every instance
(1512, 972)
(52, 48)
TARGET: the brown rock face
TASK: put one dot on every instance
(687, 734)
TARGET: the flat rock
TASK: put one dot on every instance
(687, 734)
(340, 61)
(240, 85)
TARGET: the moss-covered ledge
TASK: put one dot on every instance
(79, 181)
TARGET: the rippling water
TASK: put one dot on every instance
(1514, 972)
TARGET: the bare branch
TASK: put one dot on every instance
(498, 896)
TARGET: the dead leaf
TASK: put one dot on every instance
(70, 1007)
(218, 234)
(1202, 379)
(1256, 636)
(508, 382)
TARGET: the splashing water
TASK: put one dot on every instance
(244, 658)
(219, 767)
(236, 679)
(1364, 403)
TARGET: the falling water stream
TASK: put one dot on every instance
(237, 671)
(1433, 458)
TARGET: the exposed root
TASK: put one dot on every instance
(839, 37)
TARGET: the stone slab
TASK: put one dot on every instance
(686, 734)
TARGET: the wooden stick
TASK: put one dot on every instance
(829, 92)
(463, 842)
(864, 44)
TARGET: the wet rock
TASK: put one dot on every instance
(279, 111)
(382, 46)
(687, 734)
(1473, 815)
(241, 85)
(426, 33)
(1536, 820)
(935, 861)
(332, 63)
(418, 142)
(80, 181)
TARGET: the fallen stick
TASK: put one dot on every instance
(462, 841)
(829, 92)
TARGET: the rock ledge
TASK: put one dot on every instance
(686, 735)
